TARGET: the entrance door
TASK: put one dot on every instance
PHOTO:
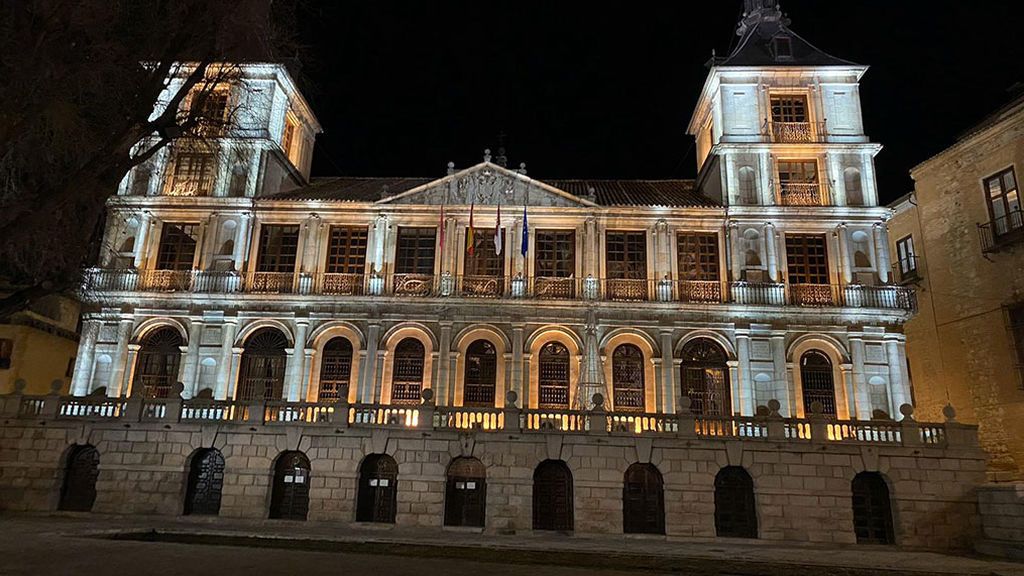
(643, 500)
(552, 496)
(78, 492)
(289, 498)
(378, 489)
(872, 510)
(205, 482)
(465, 493)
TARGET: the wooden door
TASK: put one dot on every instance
(289, 499)
(552, 496)
(643, 501)
(205, 483)
(78, 492)
(378, 489)
(465, 493)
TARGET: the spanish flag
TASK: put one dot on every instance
(469, 233)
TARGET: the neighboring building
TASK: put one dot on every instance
(38, 345)
(959, 238)
(692, 358)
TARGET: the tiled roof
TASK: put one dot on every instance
(346, 189)
(760, 26)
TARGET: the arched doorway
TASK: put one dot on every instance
(643, 500)
(465, 501)
(817, 381)
(263, 363)
(872, 509)
(156, 370)
(289, 496)
(735, 509)
(78, 491)
(205, 483)
(377, 500)
(335, 369)
(480, 374)
(628, 378)
(553, 376)
(552, 496)
(407, 372)
(705, 377)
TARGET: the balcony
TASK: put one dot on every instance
(801, 193)
(165, 280)
(812, 295)
(271, 282)
(905, 270)
(794, 132)
(1001, 232)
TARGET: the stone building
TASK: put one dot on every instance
(958, 239)
(38, 345)
(487, 348)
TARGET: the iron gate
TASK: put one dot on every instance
(289, 497)
(552, 496)
(872, 510)
(735, 511)
(205, 482)
(643, 500)
(378, 489)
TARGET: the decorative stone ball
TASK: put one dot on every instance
(19, 386)
(177, 389)
(684, 404)
(949, 412)
(763, 410)
(907, 410)
(774, 405)
(56, 386)
(427, 394)
(816, 407)
(511, 398)
(598, 399)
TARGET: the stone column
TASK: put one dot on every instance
(896, 387)
(881, 234)
(846, 373)
(844, 253)
(378, 239)
(668, 396)
(132, 354)
(296, 363)
(745, 382)
(368, 375)
(83, 363)
(861, 393)
(443, 393)
(241, 252)
(517, 363)
(307, 366)
(783, 392)
(590, 248)
(735, 406)
(662, 266)
(119, 367)
(143, 238)
(234, 371)
(869, 187)
(190, 361)
(227, 334)
(735, 262)
(771, 251)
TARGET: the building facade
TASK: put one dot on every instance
(38, 345)
(966, 344)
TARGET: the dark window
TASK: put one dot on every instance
(705, 372)
(193, 174)
(335, 369)
(480, 374)
(643, 500)
(377, 499)
(263, 363)
(279, 246)
(735, 512)
(906, 258)
(415, 251)
(407, 372)
(807, 259)
(214, 112)
(6, 352)
(698, 256)
(1015, 321)
(783, 47)
(628, 378)
(78, 491)
(818, 383)
(484, 261)
(553, 369)
(159, 358)
(465, 493)
(70, 370)
(789, 109)
(346, 250)
(798, 172)
(626, 255)
(289, 495)
(205, 483)
(872, 509)
(1004, 202)
(552, 496)
(177, 247)
(555, 253)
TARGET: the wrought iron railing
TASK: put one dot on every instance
(271, 282)
(165, 280)
(812, 295)
(794, 132)
(413, 285)
(342, 284)
(801, 194)
(700, 291)
(1002, 231)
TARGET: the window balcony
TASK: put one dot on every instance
(801, 193)
(794, 132)
(165, 280)
(905, 270)
(700, 291)
(1001, 232)
(271, 282)
(812, 295)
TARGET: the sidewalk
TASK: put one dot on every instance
(630, 554)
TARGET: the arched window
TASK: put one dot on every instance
(205, 482)
(854, 187)
(643, 500)
(335, 369)
(378, 489)
(263, 362)
(705, 378)
(289, 495)
(553, 372)
(156, 370)
(748, 185)
(78, 491)
(407, 372)
(628, 378)
(872, 509)
(751, 248)
(735, 512)
(552, 496)
(480, 374)
(465, 493)
(861, 248)
(817, 381)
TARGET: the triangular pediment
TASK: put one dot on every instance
(488, 184)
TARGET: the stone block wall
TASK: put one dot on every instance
(1002, 519)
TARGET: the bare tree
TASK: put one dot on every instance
(80, 105)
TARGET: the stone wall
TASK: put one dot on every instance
(1002, 519)
(802, 488)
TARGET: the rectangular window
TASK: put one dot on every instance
(626, 255)
(484, 261)
(193, 174)
(415, 251)
(1004, 202)
(6, 350)
(177, 249)
(807, 259)
(1015, 321)
(798, 171)
(906, 259)
(555, 253)
(346, 250)
(213, 116)
(698, 256)
(278, 248)
(789, 109)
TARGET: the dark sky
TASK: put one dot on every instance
(401, 88)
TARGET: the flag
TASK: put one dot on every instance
(526, 232)
(469, 233)
(440, 226)
(497, 233)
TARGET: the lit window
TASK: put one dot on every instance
(193, 174)
(1004, 202)
(906, 259)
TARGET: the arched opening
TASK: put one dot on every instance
(643, 500)
(289, 495)
(628, 378)
(263, 363)
(861, 249)
(465, 501)
(872, 509)
(335, 369)
(156, 370)
(78, 491)
(378, 489)
(407, 372)
(205, 483)
(735, 510)
(552, 496)
(705, 377)
(553, 376)
(751, 248)
(854, 187)
(748, 185)
(817, 381)
(480, 374)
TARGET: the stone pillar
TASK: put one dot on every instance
(861, 393)
(869, 186)
(783, 391)
(736, 406)
(745, 381)
(378, 240)
(307, 366)
(444, 394)
(129, 374)
(846, 374)
(234, 371)
(668, 395)
(142, 238)
(83, 363)
(735, 261)
(881, 234)
(663, 265)
(295, 367)
(241, 252)
(896, 388)
(227, 334)
(190, 361)
(119, 367)
(590, 267)
(517, 363)
(844, 253)
(368, 375)
(771, 251)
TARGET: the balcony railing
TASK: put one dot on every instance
(812, 295)
(165, 280)
(482, 286)
(342, 284)
(794, 132)
(905, 270)
(271, 282)
(801, 193)
(1002, 231)
(763, 293)
(700, 291)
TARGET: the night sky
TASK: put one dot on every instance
(401, 88)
